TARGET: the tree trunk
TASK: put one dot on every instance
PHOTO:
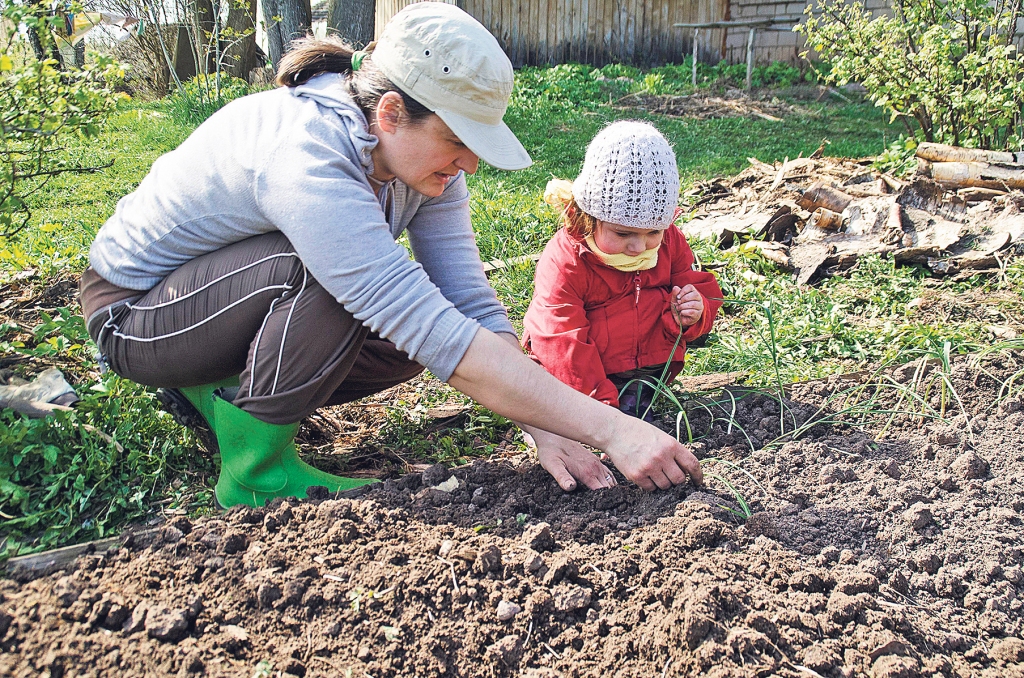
(202, 35)
(295, 22)
(352, 20)
(240, 57)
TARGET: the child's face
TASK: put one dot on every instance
(617, 239)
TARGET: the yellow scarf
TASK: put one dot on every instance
(625, 262)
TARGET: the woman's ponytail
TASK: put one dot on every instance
(311, 56)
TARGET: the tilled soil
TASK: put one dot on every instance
(899, 557)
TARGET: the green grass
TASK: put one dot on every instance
(62, 482)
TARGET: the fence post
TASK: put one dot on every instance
(696, 32)
(750, 57)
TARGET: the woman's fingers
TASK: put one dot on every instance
(569, 463)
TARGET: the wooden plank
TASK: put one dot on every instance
(61, 557)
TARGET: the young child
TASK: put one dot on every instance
(616, 285)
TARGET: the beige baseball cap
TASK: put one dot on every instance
(445, 59)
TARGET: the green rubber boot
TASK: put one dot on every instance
(192, 407)
(258, 460)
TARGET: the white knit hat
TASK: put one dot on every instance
(629, 177)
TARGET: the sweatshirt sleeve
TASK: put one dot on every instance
(443, 242)
(558, 330)
(320, 199)
(703, 281)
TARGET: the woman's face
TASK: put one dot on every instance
(617, 239)
(425, 155)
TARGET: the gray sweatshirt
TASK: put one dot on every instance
(295, 160)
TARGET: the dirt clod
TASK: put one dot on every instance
(918, 516)
(166, 624)
(538, 537)
(1008, 650)
(970, 466)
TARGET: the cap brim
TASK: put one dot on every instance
(494, 144)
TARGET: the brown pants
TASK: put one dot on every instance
(250, 308)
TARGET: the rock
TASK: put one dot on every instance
(970, 466)
(363, 653)
(195, 606)
(538, 537)
(507, 650)
(166, 624)
(820, 658)
(446, 547)
(571, 598)
(507, 610)
(918, 516)
(1009, 650)
(562, 567)
(842, 608)
(532, 561)
(895, 666)
(488, 560)
(858, 582)
(804, 580)
(137, 621)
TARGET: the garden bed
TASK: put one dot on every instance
(895, 557)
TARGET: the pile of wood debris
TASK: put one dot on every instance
(703, 106)
(817, 215)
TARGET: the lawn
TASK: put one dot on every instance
(87, 473)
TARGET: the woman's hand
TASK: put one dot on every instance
(650, 457)
(499, 377)
(687, 305)
(568, 462)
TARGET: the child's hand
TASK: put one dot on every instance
(687, 305)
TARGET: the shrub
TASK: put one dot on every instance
(948, 66)
(42, 109)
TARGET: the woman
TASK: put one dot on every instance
(264, 247)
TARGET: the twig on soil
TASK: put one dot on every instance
(333, 577)
(664, 671)
(551, 650)
(430, 615)
(451, 566)
(528, 632)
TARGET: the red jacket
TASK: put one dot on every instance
(588, 320)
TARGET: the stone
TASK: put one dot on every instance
(970, 466)
(532, 561)
(918, 516)
(166, 624)
(538, 537)
(507, 610)
(571, 598)
(235, 633)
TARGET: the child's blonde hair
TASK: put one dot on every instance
(577, 223)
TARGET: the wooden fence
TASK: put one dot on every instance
(640, 32)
